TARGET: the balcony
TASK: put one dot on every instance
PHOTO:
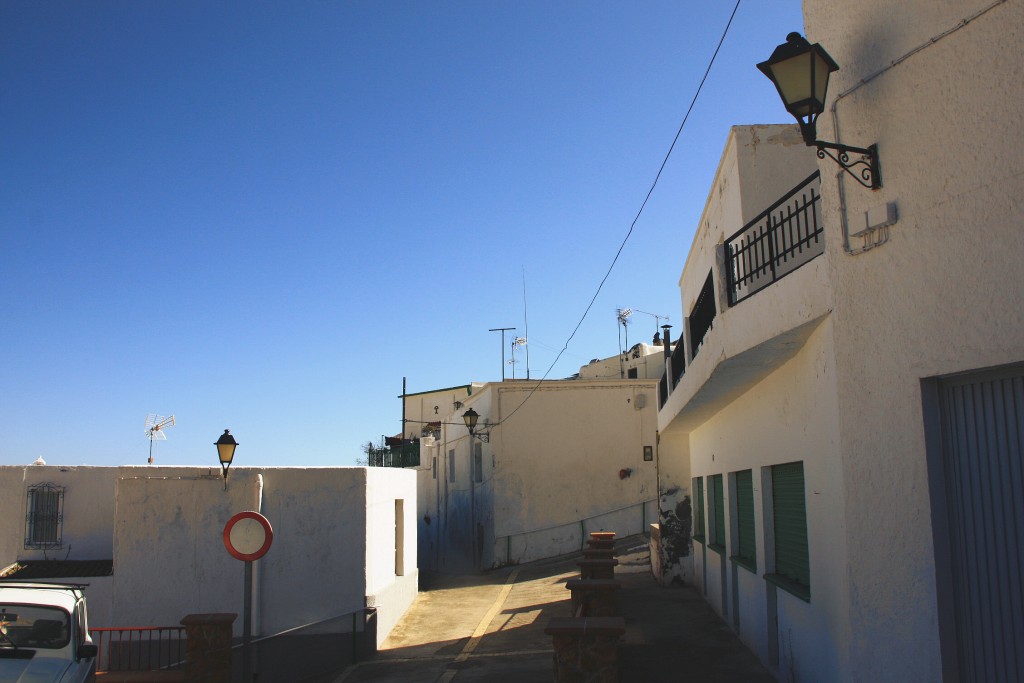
(779, 240)
(404, 455)
(775, 257)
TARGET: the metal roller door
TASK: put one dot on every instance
(982, 422)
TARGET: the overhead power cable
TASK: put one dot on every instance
(636, 218)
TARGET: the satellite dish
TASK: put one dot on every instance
(155, 426)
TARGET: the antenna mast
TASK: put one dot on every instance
(503, 330)
(526, 322)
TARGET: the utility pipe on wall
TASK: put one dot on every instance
(257, 574)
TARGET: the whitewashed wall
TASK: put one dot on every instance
(646, 359)
(557, 461)
(88, 509)
(333, 549)
(790, 415)
(759, 164)
(941, 296)
(392, 576)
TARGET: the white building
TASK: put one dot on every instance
(641, 361)
(343, 539)
(561, 459)
(849, 436)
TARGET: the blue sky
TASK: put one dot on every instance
(262, 216)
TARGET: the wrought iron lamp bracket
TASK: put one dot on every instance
(483, 436)
(863, 169)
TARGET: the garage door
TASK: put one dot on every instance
(982, 421)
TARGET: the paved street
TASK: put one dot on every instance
(490, 627)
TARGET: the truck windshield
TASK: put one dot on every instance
(33, 626)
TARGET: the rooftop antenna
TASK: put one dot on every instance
(657, 319)
(518, 341)
(503, 330)
(526, 322)
(622, 315)
(155, 426)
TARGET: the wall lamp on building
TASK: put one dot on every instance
(226, 445)
(800, 72)
(472, 417)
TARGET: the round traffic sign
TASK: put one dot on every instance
(248, 536)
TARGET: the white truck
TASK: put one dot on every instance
(44, 634)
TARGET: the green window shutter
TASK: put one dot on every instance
(746, 545)
(698, 509)
(718, 499)
(791, 555)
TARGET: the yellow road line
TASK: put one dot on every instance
(481, 628)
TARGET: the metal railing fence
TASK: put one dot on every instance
(147, 648)
(779, 240)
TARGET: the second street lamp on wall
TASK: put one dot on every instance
(226, 445)
(471, 417)
(800, 72)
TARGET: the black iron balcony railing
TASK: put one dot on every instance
(779, 240)
(406, 455)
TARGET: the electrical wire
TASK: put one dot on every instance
(632, 225)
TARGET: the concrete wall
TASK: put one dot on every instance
(169, 556)
(646, 359)
(557, 461)
(424, 407)
(790, 415)
(333, 549)
(88, 509)
(553, 464)
(942, 295)
(392, 577)
(460, 505)
(759, 164)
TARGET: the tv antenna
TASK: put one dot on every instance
(155, 426)
(517, 341)
(657, 319)
(622, 315)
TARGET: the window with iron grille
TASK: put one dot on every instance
(698, 509)
(44, 516)
(744, 545)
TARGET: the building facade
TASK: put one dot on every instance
(845, 436)
(344, 539)
(549, 462)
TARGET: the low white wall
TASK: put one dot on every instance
(391, 531)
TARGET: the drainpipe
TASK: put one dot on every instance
(256, 573)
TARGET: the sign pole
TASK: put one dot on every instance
(247, 625)
(247, 537)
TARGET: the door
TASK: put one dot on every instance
(977, 483)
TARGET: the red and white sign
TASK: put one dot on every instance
(248, 536)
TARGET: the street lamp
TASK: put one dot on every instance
(800, 72)
(471, 417)
(226, 445)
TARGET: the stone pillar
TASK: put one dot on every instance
(208, 647)
(586, 650)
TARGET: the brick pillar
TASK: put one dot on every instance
(208, 647)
